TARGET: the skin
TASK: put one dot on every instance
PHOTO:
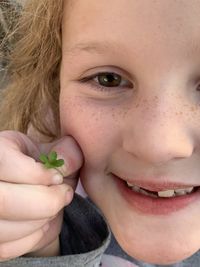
(148, 128)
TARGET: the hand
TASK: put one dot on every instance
(32, 197)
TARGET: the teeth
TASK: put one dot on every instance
(147, 193)
(143, 192)
(166, 193)
(180, 192)
(129, 184)
(176, 192)
(189, 189)
(136, 188)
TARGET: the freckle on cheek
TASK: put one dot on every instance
(94, 116)
(118, 114)
(194, 109)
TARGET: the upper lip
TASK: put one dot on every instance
(157, 184)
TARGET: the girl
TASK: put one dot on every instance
(113, 88)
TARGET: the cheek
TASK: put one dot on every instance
(92, 127)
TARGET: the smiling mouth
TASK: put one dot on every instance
(156, 188)
(156, 197)
(164, 193)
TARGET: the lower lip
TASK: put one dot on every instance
(155, 206)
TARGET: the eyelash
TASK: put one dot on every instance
(94, 84)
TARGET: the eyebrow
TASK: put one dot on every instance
(93, 47)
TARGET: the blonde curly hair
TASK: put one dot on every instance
(32, 96)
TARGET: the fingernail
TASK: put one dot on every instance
(57, 178)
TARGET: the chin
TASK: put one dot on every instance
(164, 253)
(159, 257)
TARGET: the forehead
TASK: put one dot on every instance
(92, 25)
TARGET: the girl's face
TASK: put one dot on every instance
(130, 96)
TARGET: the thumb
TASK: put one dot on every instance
(68, 150)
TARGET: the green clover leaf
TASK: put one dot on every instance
(50, 161)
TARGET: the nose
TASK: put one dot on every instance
(157, 135)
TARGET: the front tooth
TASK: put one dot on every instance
(180, 192)
(167, 193)
(189, 189)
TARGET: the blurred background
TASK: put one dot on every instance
(9, 13)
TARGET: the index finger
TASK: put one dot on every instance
(16, 166)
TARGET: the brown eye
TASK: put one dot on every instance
(107, 82)
(109, 79)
